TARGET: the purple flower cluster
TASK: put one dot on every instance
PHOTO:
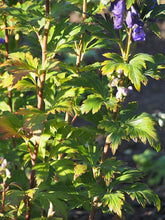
(133, 21)
(118, 7)
(2, 40)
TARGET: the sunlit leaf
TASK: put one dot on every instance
(93, 103)
(143, 194)
(79, 170)
(9, 126)
(114, 201)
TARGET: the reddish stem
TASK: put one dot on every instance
(73, 120)
(44, 56)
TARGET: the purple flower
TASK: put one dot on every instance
(2, 40)
(118, 22)
(155, 4)
(133, 18)
(118, 7)
(129, 19)
(138, 33)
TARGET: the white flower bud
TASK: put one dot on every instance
(161, 123)
(119, 71)
(161, 115)
(8, 174)
(114, 82)
(4, 164)
(122, 91)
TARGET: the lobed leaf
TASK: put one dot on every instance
(79, 169)
(9, 126)
(92, 103)
(114, 201)
(142, 194)
(142, 127)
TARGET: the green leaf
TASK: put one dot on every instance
(21, 208)
(20, 67)
(9, 126)
(42, 172)
(79, 169)
(142, 127)
(114, 201)
(116, 132)
(14, 196)
(109, 66)
(92, 103)
(35, 120)
(129, 176)
(109, 168)
(129, 3)
(137, 64)
(142, 194)
(155, 28)
(135, 76)
(57, 198)
(64, 169)
(4, 106)
(42, 145)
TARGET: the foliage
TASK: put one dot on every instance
(46, 83)
(152, 166)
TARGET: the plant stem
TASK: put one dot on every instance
(134, 49)
(92, 214)
(44, 57)
(121, 44)
(80, 49)
(127, 51)
(3, 196)
(33, 162)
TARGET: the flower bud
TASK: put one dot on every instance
(8, 174)
(122, 91)
(4, 164)
(114, 82)
(17, 37)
